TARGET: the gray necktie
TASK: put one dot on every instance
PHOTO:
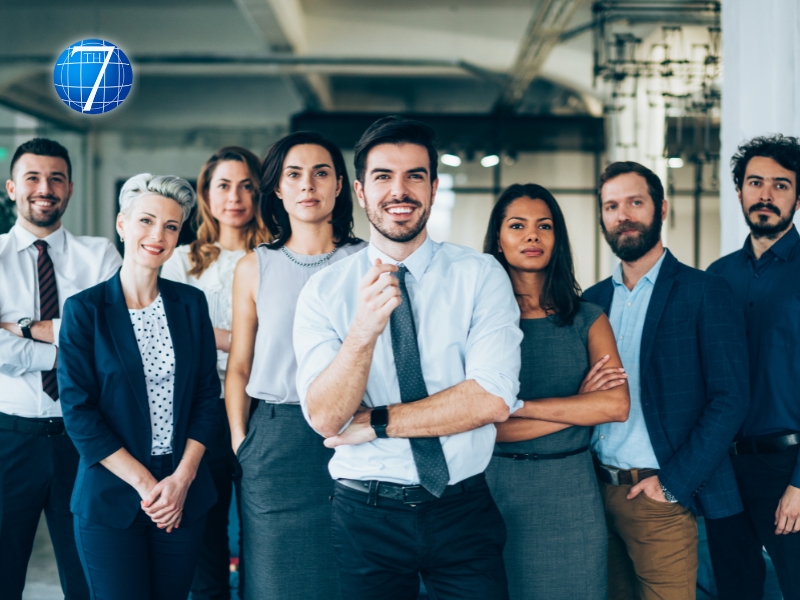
(428, 453)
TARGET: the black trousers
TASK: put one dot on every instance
(735, 542)
(142, 561)
(212, 576)
(455, 543)
(37, 473)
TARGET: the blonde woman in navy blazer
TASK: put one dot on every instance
(140, 395)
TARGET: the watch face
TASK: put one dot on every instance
(379, 417)
(24, 322)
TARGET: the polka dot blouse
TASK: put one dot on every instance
(158, 358)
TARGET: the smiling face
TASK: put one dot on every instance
(150, 230)
(231, 194)
(768, 197)
(41, 188)
(630, 223)
(526, 236)
(308, 185)
(397, 192)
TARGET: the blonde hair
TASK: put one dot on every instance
(204, 251)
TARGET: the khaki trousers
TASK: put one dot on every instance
(652, 547)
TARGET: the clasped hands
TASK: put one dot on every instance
(163, 500)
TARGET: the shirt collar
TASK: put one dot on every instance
(56, 241)
(782, 248)
(650, 276)
(417, 263)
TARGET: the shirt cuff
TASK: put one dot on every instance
(497, 385)
(795, 480)
(56, 331)
(43, 357)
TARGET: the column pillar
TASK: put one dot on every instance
(760, 90)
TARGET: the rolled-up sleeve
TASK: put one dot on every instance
(493, 344)
(315, 340)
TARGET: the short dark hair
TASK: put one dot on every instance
(560, 292)
(42, 147)
(396, 130)
(783, 149)
(275, 216)
(654, 186)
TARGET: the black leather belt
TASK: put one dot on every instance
(769, 445)
(49, 427)
(518, 456)
(614, 476)
(409, 494)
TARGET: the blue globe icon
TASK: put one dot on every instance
(93, 76)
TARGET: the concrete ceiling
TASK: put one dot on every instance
(239, 63)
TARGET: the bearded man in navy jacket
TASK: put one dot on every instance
(682, 342)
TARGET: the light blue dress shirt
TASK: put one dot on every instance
(627, 445)
(467, 322)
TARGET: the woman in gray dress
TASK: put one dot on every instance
(285, 486)
(541, 474)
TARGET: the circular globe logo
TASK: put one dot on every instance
(93, 76)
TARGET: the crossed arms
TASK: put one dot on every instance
(333, 395)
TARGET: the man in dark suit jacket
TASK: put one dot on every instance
(682, 343)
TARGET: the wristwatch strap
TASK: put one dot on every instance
(26, 329)
(379, 420)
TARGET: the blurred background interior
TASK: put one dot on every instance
(544, 91)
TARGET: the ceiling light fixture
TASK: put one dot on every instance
(676, 162)
(451, 160)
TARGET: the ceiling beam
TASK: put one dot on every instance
(273, 64)
(281, 24)
(544, 33)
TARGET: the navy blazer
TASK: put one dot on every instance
(695, 383)
(104, 396)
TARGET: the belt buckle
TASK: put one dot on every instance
(413, 488)
(613, 474)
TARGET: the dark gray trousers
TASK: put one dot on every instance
(286, 508)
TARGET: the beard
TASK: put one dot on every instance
(397, 232)
(632, 247)
(760, 225)
(27, 211)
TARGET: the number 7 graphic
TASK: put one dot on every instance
(109, 50)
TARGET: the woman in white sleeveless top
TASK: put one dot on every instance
(229, 225)
(285, 488)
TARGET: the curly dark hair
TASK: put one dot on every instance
(783, 149)
(561, 292)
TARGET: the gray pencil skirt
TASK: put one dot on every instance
(557, 544)
(286, 508)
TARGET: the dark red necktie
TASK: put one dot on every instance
(48, 308)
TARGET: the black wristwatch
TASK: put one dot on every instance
(25, 326)
(379, 419)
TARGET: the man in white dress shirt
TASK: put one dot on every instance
(408, 353)
(41, 265)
